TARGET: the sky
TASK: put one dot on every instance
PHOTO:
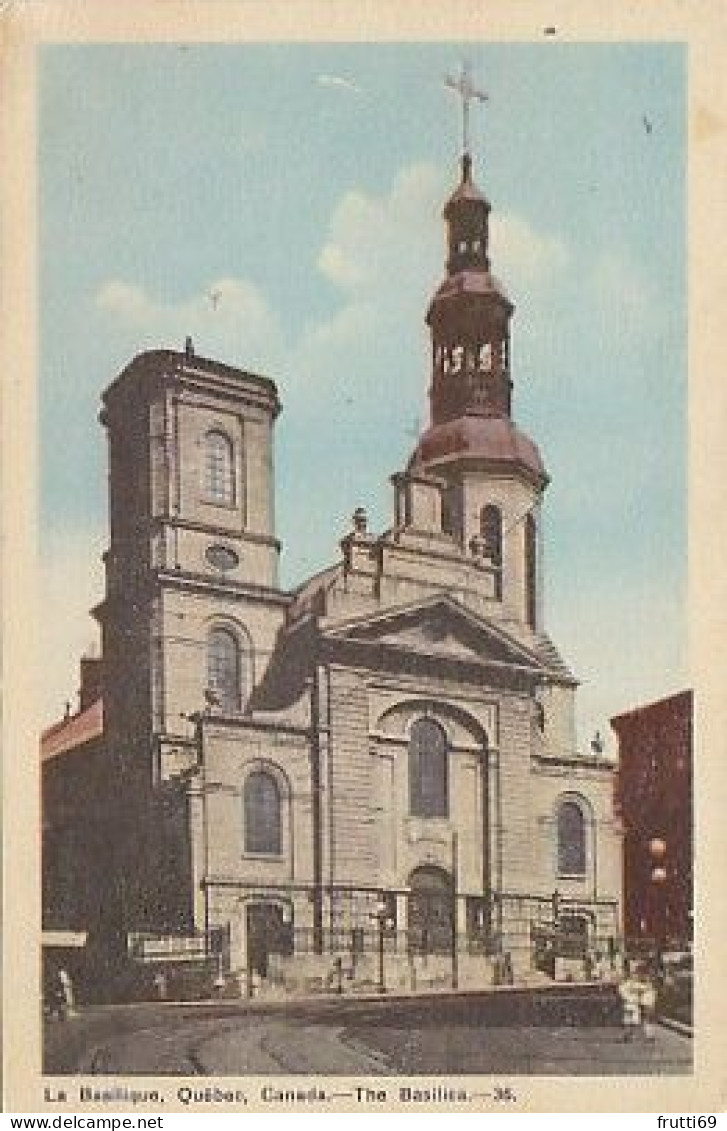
(305, 183)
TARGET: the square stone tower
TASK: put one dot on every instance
(192, 605)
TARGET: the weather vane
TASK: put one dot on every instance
(464, 86)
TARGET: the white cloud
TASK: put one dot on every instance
(229, 318)
(122, 300)
(384, 255)
(381, 254)
(378, 243)
(522, 255)
(338, 82)
(328, 338)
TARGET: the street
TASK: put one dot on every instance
(347, 1039)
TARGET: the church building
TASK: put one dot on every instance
(373, 778)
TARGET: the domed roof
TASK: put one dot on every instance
(490, 439)
(479, 283)
(466, 190)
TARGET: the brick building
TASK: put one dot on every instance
(376, 773)
(75, 822)
(654, 797)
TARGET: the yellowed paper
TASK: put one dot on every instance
(28, 32)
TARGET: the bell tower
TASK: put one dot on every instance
(492, 474)
(469, 316)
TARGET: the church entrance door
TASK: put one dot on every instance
(267, 933)
(431, 911)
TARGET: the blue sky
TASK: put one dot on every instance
(314, 206)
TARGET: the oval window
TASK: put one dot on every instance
(222, 557)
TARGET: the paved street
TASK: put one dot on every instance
(313, 1039)
(537, 1051)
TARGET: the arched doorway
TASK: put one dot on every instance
(431, 911)
(269, 930)
(574, 933)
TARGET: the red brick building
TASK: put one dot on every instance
(74, 775)
(654, 798)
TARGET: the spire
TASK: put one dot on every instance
(469, 315)
(467, 209)
(469, 318)
(466, 214)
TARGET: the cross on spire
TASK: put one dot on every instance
(464, 86)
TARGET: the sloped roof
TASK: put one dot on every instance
(526, 648)
(70, 733)
(493, 439)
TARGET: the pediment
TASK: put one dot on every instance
(442, 629)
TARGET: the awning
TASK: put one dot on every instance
(64, 938)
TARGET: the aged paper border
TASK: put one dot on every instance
(698, 23)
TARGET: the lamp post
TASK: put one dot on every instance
(657, 854)
(455, 955)
(383, 921)
(557, 947)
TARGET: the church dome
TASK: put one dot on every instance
(491, 440)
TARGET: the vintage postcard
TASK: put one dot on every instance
(363, 511)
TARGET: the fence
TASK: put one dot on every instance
(144, 946)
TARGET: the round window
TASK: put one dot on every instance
(222, 557)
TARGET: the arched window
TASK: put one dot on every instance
(219, 477)
(571, 839)
(428, 791)
(261, 805)
(491, 531)
(224, 677)
(530, 570)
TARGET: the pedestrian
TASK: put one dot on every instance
(630, 993)
(63, 1002)
(52, 995)
(648, 1008)
(160, 985)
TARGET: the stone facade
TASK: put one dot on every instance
(375, 776)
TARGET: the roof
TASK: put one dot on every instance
(157, 363)
(466, 190)
(530, 647)
(304, 597)
(491, 439)
(680, 701)
(76, 730)
(469, 282)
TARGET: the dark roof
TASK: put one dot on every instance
(470, 283)
(491, 439)
(160, 362)
(466, 190)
